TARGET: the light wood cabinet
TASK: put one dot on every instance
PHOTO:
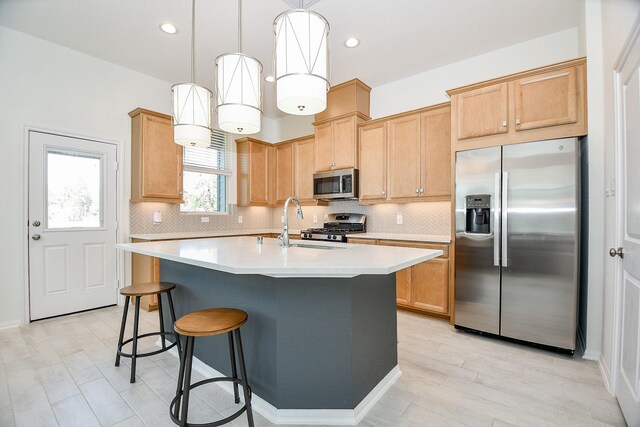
(419, 155)
(544, 103)
(156, 161)
(256, 172)
(373, 161)
(424, 287)
(336, 143)
(303, 169)
(285, 179)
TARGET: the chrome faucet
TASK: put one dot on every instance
(285, 233)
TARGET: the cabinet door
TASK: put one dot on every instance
(373, 162)
(482, 112)
(547, 99)
(284, 172)
(430, 285)
(403, 287)
(324, 147)
(436, 153)
(344, 143)
(258, 174)
(161, 160)
(404, 157)
(303, 164)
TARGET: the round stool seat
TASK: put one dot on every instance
(212, 321)
(142, 289)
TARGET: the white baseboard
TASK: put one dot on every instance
(606, 374)
(305, 416)
(591, 354)
(10, 324)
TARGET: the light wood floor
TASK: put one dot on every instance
(60, 372)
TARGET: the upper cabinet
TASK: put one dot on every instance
(337, 143)
(156, 161)
(545, 103)
(336, 138)
(256, 161)
(303, 151)
(373, 161)
(418, 156)
(284, 171)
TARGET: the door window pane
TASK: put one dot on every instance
(74, 183)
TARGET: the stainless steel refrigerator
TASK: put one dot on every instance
(517, 241)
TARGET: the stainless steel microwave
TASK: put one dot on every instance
(336, 184)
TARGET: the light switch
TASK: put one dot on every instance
(399, 219)
(281, 219)
(204, 219)
(315, 219)
(239, 219)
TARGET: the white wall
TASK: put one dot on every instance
(48, 86)
(430, 87)
(617, 19)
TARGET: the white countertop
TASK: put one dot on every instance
(242, 255)
(222, 233)
(432, 238)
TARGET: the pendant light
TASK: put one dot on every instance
(238, 89)
(191, 105)
(301, 61)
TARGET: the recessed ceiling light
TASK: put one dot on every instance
(168, 28)
(351, 42)
(269, 79)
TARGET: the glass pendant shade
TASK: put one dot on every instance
(238, 93)
(191, 108)
(301, 62)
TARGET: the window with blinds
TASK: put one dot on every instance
(206, 174)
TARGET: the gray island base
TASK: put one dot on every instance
(311, 343)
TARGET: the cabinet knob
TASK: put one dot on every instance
(517, 120)
(384, 192)
(422, 190)
(417, 190)
(504, 123)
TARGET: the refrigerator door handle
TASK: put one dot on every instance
(496, 221)
(503, 231)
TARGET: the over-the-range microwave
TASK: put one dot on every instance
(336, 184)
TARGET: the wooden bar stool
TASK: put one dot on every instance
(138, 291)
(204, 323)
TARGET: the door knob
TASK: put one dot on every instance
(36, 237)
(619, 252)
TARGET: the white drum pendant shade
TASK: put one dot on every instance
(238, 93)
(191, 115)
(301, 62)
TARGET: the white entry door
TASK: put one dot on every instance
(72, 224)
(627, 370)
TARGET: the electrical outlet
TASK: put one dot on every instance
(204, 219)
(315, 219)
(281, 219)
(239, 219)
(399, 219)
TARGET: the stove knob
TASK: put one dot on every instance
(334, 237)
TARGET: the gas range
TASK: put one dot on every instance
(337, 228)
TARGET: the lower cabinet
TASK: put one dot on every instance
(423, 287)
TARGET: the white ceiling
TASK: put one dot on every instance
(398, 38)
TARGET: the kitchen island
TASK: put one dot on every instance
(321, 340)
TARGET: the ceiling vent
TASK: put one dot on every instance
(295, 4)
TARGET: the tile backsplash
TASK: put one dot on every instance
(417, 218)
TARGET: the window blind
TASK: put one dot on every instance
(216, 158)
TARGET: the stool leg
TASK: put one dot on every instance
(234, 371)
(183, 356)
(134, 351)
(122, 327)
(173, 320)
(187, 379)
(164, 344)
(245, 381)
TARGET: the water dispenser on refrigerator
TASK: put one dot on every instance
(478, 212)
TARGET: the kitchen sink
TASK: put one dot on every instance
(302, 245)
